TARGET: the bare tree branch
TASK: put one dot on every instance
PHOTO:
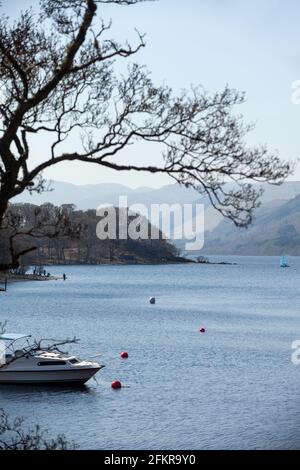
(58, 79)
(13, 436)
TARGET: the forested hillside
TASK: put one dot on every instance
(72, 238)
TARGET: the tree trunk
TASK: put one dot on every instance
(3, 207)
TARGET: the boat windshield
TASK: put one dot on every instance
(9, 341)
(12, 337)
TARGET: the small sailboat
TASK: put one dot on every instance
(283, 262)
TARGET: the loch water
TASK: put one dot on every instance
(233, 387)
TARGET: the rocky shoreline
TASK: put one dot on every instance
(40, 278)
(34, 277)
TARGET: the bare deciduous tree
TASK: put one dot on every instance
(58, 79)
(24, 224)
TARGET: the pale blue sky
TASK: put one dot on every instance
(250, 44)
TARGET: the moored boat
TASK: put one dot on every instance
(24, 366)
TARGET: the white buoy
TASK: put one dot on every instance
(152, 300)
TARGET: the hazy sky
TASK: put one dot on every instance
(252, 45)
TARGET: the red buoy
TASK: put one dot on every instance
(202, 329)
(124, 355)
(116, 384)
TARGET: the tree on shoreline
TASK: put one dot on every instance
(47, 235)
(24, 225)
(58, 79)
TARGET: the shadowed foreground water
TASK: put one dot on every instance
(233, 387)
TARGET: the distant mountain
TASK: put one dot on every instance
(90, 196)
(222, 237)
(284, 192)
(275, 231)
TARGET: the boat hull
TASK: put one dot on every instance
(71, 376)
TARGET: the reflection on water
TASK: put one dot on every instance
(54, 389)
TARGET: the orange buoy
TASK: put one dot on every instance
(116, 384)
(124, 355)
(202, 329)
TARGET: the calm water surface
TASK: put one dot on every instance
(233, 387)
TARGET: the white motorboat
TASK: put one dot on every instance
(23, 366)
